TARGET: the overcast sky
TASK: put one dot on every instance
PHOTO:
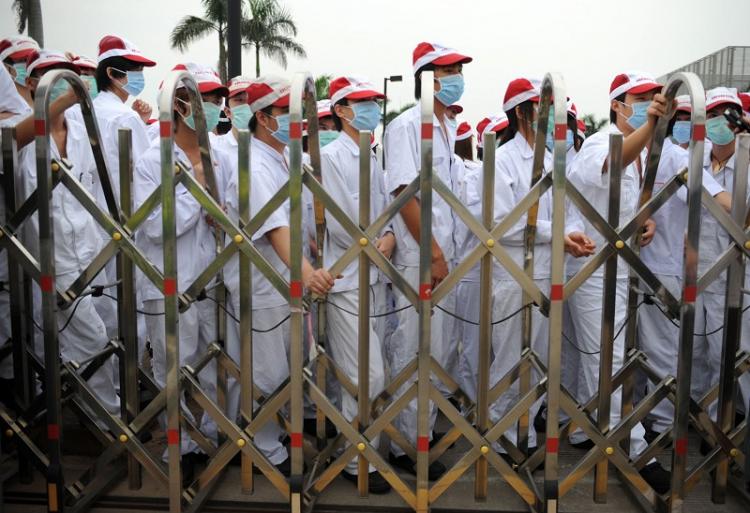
(588, 41)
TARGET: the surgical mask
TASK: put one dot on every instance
(282, 132)
(638, 118)
(60, 88)
(20, 68)
(451, 89)
(91, 83)
(718, 131)
(366, 116)
(326, 137)
(681, 132)
(135, 82)
(241, 115)
(451, 124)
(210, 110)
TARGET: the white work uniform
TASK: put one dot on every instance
(196, 248)
(269, 173)
(402, 146)
(658, 336)
(77, 241)
(513, 167)
(586, 303)
(339, 163)
(709, 307)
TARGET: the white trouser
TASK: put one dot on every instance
(197, 329)
(6, 364)
(451, 341)
(506, 344)
(343, 337)
(467, 307)
(586, 313)
(383, 301)
(570, 362)
(404, 346)
(270, 369)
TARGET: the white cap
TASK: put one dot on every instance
(634, 82)
(721, 95)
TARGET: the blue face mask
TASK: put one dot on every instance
(639, 116)
(569, 139)
(451, 89)
(241, 115)
(20, 68)
(60, 88)
(366, 115)
(210, 110)
(681, 132)
(451, 124)
(718, 131)
(91, 83)
(326, 137)
(282, 132)
(135, 82)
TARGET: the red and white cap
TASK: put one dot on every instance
(208, 80)
(116, 46)
(581, 128)
(268, 90)
(519, 91)
(720, 96)
(572, 109)
(745, 99)
(17, 47)
(456, 108)
(633, 82)
(683, 103)
(237, 85)
(47, 58)
(491, 124)
(352, 88)
(83, 62)
(324, 108)
(464, 131)
(433, 53)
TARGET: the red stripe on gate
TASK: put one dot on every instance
(40, 127)
(295, 130)
(556, 293)
(425, 291)
(423, 444)
(170, 286)
(427, 131)
(47, 283)
(53, 432)
(561, 131)
(295, 289)
(173, 436)
(680, 446)
(296, 440)
(553, 444)
(689, 294)
(165, 129)
(699, 133)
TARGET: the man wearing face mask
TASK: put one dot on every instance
(239, 113)
(635, 106)
(327, 130)
(402, 144)
(13, 54)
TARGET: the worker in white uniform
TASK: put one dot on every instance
(402, 145)
(513, 173)
(635, 105)
(196, 246)
(14, 51)
(268, 98)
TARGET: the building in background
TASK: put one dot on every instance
(728, 67)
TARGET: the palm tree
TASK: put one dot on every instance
(29, 12)
(270, 31)
(593, 124)
(393, 114)
(192, 28)
(321, 86)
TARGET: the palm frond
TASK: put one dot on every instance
(188, 30)
(22, 14)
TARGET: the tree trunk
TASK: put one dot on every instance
(34, 20)
(257, 60)
(222, 56)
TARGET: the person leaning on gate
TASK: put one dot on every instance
(635, 105)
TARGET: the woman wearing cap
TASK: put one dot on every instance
(402, 145)
(354, 108)
(13, 53)
(196, 245)
(513, 169)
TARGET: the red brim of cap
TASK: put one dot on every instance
(501, 126)
(234, 93)
(534, 99)
(140, 60)
(452, 58)
(324, 114)
(213, 88)
(364, 95)
(644, 88)
(21, 54)
(59, 65)
(282, 102)
(683, 109)
(712, 106)
(456, 108)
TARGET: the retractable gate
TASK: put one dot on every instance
(65, 382)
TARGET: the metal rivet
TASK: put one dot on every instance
(733, 453)
(484, 449)
(8, 433)
(747, 244)
(117, 236)
(241, 442)
(176, 169)
(363, 241)
(238, 238)
(685, 176)
(619, 244)
(609, 450)
(361, 446)
(55, 166)
(490, 243)
(123, 438)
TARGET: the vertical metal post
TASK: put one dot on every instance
(385, 113)
(425, 293)
(608, 313)
(246, 306)
(126, 307)
(234, 38)
(485, 315)
(732, 318)
(363, 326)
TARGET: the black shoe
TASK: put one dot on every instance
(285, 467)
(657, 477)
(585, 445)
(188, 462)
(436, 437)
(650, 436)
(310, 428)
(375, 484)
(705, 448)
(435, 471)
(540, 420)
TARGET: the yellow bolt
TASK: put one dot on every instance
(241, 442)
(484, 449)
(117, 236)
(55, 167)
(123, 438)
(609, 450)
(176, 169)
(619, 244)
(363, 241)
(9, 433)
(361, 446)
(238, 238)
(685, 176)
(733, 453)
(490, 243)
(747, 244)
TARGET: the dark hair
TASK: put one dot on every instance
(480, 153)
(418, 79)
(613, 114)
(463, 148)
(254, 121)
(103, 82)
(527, 108)
(337, 120)
(573, 126)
